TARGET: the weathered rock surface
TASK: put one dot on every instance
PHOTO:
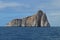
(37, 20)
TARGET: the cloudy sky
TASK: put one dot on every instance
(11, 9)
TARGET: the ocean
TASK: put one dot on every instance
(29, 33)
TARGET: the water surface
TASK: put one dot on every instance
(24, 33)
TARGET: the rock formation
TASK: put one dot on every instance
(37, 20)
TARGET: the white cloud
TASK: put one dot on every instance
(52, 4)
(55, 3)
(12, 4)
(55, 14)
(54, 18)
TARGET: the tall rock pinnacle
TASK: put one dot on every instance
(37, 20)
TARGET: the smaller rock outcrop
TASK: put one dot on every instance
(37, 20)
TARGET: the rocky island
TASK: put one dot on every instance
(37, 20)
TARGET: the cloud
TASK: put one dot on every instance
(12, 4)
(54, 4)
(55, 14)
(50, 5)
(54, 18)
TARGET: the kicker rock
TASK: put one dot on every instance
(37, 20)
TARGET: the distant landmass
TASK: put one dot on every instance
(37, 20)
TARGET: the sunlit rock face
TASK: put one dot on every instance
(37, 20)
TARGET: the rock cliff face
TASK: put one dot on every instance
(37, 20)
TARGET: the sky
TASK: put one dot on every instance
(12, 9)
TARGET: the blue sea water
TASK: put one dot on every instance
(32, 33)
